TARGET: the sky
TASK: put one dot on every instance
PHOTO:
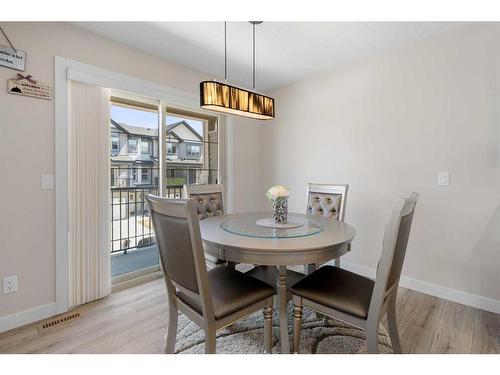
(148, 119)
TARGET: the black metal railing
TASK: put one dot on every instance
(131, 226)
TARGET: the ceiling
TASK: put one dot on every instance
(285, 51)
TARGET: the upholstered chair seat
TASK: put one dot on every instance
(231, 291)
(338, 289)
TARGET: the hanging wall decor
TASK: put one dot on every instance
(11, 57)
(27, 86)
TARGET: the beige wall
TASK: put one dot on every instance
(27, 222)
(386, 127)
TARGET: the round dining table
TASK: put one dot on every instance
(305, 240)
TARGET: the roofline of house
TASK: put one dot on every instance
(188, 126)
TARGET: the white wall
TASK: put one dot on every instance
(386, 127)
(246, 158)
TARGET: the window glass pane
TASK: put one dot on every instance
(192, 152)
(171, 148)
(115, 143)
(132, 146)
(145, 146)
(134, 174)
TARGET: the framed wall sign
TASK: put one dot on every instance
(27, 86)
(11, 58)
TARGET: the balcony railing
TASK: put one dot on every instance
(131, 226)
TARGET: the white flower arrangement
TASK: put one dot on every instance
(278, 191)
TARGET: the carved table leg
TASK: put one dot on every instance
(282, 306)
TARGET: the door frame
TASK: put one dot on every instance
(65, 70)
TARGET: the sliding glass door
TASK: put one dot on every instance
(154, 149)
(134, 156)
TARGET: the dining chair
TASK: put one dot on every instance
(326, 200)
(212, 299)
(355, 299)
(209, 202)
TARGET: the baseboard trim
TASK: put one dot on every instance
(484, 303)
(117, 287)
(27, 316)
(450, 294)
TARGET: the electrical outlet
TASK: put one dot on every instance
(10, 284)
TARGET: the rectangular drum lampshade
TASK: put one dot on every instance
(221, 97)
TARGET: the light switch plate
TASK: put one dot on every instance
(10, 284)
(443, 178)
(47, 181)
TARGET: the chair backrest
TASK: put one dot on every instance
(327, 200)
(208, 198)
(177, 231)
(394, 246)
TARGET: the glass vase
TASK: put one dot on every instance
(280, 209)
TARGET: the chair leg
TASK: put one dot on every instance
(372, 338)
(393, 326)
(336, 262)
(173, 314)
(297, 323)
(268, 326)
(210, 341)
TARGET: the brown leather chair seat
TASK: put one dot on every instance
(338, 289)
(231, 291)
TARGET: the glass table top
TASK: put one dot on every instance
(246, 225)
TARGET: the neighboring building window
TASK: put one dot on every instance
(171, 148)
(115, 143)
(144, 175)
(145, 147)
(192, 176)
(134, 174)
(132, 146)
(194, 150)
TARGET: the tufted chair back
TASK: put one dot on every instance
(327, 200)
(208, 198)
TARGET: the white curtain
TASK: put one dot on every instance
(89, 193)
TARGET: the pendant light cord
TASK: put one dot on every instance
(225, 51)
(253, 55)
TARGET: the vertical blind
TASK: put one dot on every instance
(89, 189)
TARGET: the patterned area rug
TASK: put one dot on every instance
(323, 336)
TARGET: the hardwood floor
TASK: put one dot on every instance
(134, 321)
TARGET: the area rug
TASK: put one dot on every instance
(322, 336)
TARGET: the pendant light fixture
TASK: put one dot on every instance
(222, 97)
